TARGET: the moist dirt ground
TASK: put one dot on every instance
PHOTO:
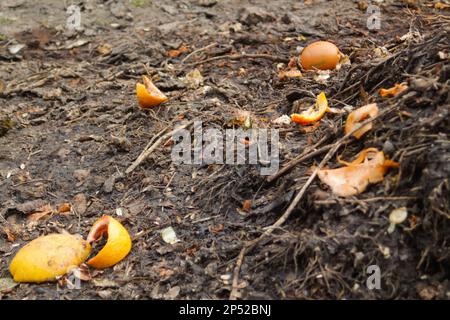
(71, 126)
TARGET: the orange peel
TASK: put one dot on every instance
(148, 94)
(117, 246)
(395, 90)
(45, 258)
(291, 73)
(314, 113)
(359, 115)
(369, 167)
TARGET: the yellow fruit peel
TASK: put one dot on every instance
(314, 113)
(47, 257)
(148, 94)
(118, 244)
(360, 115)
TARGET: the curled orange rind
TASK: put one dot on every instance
(369, 167)
(148, 94)
(313, 114)
(359, 115)
(118, 244)
(395, 90)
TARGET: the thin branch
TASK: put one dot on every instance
(198, 50)
(238, 57)
(152, 146)
(308, 154)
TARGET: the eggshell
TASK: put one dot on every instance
(322, 55)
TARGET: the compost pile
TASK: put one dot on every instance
(72, 131)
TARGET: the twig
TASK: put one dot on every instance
(198, 50)
(238, 57)
(152, 146)
(251, 244)
(335, 201)
(308, 154)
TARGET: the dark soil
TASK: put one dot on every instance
(71, 126)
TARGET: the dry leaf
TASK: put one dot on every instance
(7, 284)
(63, 208)
(104, 49)
(30, 206)
(10, 234)
(441, 6)
(246, 205)
(216, 228)
(40, 213)
(282, 120)
(178, 52)
(80, 203)
(165, 273)
(193, 79)
(312, 128)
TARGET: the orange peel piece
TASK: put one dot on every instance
(177, 52)
(117, 246)
(395, 90)
(148, 94)
(369, 167)
(359, 115)
(313, 114)
(291, 73)
(45, 258)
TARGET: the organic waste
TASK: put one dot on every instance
(148, 94)
(48, 257)
(359, 115)
(395, 90)
(369, 167)
(314, 113)
(118, 244)
(322, 55)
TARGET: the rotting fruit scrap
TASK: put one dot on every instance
(48, 257)
(369, 167)
(395, 90)
(117, 246)
(148, 94)
(314, 113)
(358, 116)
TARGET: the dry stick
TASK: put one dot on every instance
(151, 147)
(198, 50)
(308, 154)
(251, 244)
(238, 57)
